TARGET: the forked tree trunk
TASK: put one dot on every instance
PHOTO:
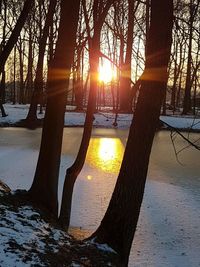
(45, 185)
(118, 226)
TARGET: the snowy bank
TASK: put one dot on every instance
(26, 239)
(102, 119)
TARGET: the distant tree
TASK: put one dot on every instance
(38, 83)
(118, 226)
(15, 33)
(7, 48)
(193, 11)
(125, 81)
(45, 184)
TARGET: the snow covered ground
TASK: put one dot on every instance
(28, 240)
(24, 236)
(19, 112)
(168, 233)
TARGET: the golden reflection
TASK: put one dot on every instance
(105, 154)
(89, 177)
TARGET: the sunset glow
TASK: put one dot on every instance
(106, 72)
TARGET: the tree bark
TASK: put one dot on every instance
(118, 226)
(45, 185)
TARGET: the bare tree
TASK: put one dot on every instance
(45, 184)
(126, 200)
(38, 83)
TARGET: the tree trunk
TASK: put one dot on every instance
(45, 185)
(78, 90)
(125, 82)
(14, 78)
(73, 172)
(29, 77)
(119, 223)
(38, 83)
(21, 73)
(15, 33)
(187, 96)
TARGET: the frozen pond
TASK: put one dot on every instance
(168, 231)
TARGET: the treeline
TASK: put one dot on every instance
(123, 33)
(71, 37)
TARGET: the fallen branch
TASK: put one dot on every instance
(179, 133)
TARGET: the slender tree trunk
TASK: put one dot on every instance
(29, 78)
(125, 82)
(78, 90)
(187, 95)
(3, 74)
(118, 226)
(175, 78)
(73, 172)
(21, 73)
(14, 77)
(15, 33)
(45, 185)
(38, 83)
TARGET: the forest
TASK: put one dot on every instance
(136, 59)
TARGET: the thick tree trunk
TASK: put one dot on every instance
(119, 223)
(45, 185)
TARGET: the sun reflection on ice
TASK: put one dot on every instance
(89, 177)
(106, 154)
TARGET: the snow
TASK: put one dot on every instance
(102, 119)
(168, 232)
(23, 235)
(103, 247)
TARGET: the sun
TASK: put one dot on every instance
(106, 72)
